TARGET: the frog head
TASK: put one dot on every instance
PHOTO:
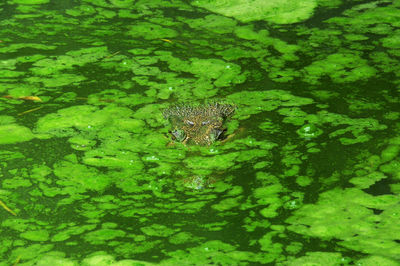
(202, 125)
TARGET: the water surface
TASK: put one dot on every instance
(310, 176)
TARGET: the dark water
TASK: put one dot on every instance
(308, 173)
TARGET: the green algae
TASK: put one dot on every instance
(13, 133)
(105, 260)
(81, 143)
(15, 183)
(157, 230)
(282, 12)
(318, 258)
(97, 169)
(60, 80)
(102, 235)
(40, 235)
(226, 204)
(71, 231)
(377, 260)
(217, 71)
(365, 181)
(356, 225)
(113, 160)
(215, 23)
(258, 101)
(390, 153)
(85, 118)
(15, 47)
(309, 131)
(31, 252)
(182, 237)
(70, 60)
(122, 3)
(82, 10)
(213, 252)
(340, 67)
(30, 2)
(55, 259)
(150, 31)
(8, 155)
(5, 119)
(79, 177)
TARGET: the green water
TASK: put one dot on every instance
(309, 174)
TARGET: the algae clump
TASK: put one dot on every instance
(13, 133)
(276, 11)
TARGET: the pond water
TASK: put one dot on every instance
(309, 173)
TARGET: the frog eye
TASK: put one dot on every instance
(205, 123)
(215, 134)
(190, 123)
(179, 135)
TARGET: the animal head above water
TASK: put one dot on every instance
(202, 125)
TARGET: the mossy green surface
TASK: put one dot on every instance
(277, 11)
(30, 2)
(306, 173)
(13, 133)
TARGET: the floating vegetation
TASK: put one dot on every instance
(303, 168)
(2, 204)
(198, 124)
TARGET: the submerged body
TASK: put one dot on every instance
(201, 125)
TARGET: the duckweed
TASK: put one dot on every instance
(13, 133)
(275, 11)
(306, 172)
(40, 235)
(309, 131)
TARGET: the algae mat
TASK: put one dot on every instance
(308, 174)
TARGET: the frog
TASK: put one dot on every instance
(198, 124)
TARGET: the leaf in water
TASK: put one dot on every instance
(27, 98)
(2, 204)
(31, 110)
